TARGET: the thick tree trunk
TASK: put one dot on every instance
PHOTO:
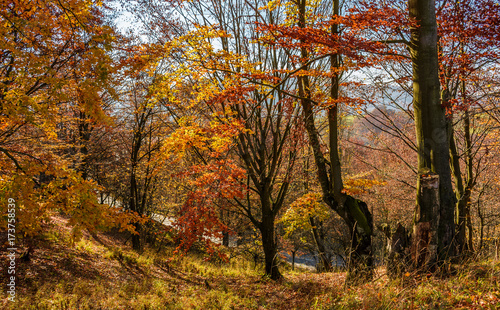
(359, 220)
(424, 248)
(270, 247)
(432, 142)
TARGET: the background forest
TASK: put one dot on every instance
(357, 139)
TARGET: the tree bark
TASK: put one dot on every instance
(469, 161)
(432, 141)
(136, 202)
(359, 220)
(269, 245)
(424, 248)
(134, 206)
(463, 188)
(136, 238)
(460, 194)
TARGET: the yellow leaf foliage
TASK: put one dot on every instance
(296, 218)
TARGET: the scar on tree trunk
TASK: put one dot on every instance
(424, 245)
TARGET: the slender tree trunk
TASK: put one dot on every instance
(463, 189)
(470, 175)
(470, 229)
(432, 143)
(459, 192)
(134, 190)
(481, 220)
(136, 238)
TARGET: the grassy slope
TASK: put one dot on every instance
(101, 273)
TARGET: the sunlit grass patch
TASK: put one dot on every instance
(86, 245)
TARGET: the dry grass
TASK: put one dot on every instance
(100, 272)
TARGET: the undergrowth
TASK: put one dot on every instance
(100, 272)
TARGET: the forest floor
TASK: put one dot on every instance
(100, 272)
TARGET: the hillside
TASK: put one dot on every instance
(100, 272)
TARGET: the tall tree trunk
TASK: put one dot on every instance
(460, 194)
(354, 212)
(463, 188)
(470, 174)
(432, 142)
(135, 205)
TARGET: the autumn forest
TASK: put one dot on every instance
(250, 154)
